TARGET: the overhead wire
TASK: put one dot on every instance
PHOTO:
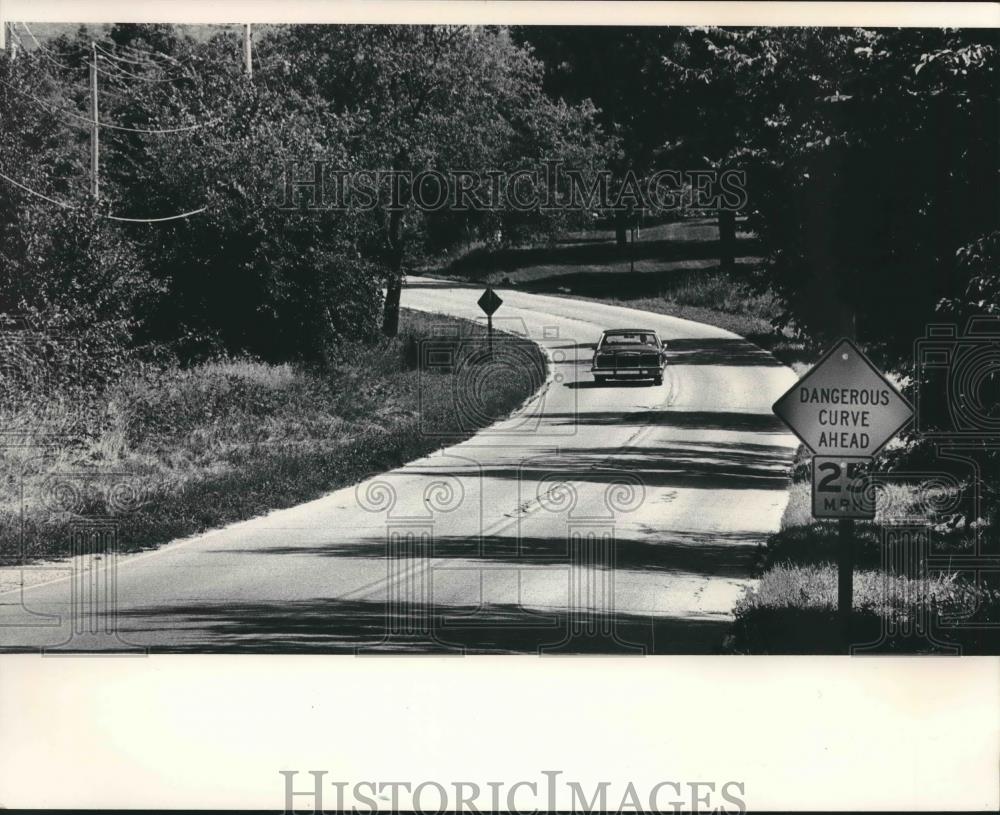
(109, 125)
(42, 50)
(110, 58)
(144, 63)
(121, 73)
(36, 193)
(64, 205)
(157, 220)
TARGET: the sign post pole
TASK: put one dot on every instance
(489, 302)
(844, 410)
(845, 578)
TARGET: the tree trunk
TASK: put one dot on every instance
(394, 286)
(727, 240)
(621, 229)
(390, 316)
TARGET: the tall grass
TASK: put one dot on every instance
(793, 608)
(192, 448)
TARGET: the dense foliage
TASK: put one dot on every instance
(185, 129)
(872, 155)
(872, 159)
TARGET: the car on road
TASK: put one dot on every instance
(629, 353)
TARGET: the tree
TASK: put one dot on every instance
(65, 266)
(868, 154)
(620, 71)
(245, 274)
(429, 98)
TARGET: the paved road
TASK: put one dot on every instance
(619, 518)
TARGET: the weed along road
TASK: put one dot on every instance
(617, 517)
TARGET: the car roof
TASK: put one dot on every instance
(629, 331)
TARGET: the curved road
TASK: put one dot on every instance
(620, 518)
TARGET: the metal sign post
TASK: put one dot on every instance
(489, 302)
(845, 579)
(844, 410)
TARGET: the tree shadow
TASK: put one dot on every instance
(690, 419)
(584, 384)
(712, 554)
(690, 465)
(718, 351)
(333, 626)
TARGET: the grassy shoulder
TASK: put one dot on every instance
(169, 452)
(900, 606)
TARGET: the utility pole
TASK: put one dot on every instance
(248, 50)
(11, 40)
(95, 187)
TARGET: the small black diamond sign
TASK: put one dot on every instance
(490, 301)
(844, 406)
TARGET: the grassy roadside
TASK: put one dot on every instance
(172, 452)
(673, 270)
(899, 605)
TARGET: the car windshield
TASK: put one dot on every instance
(631, 338)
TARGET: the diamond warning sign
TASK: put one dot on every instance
(844, 405)
(490, 301)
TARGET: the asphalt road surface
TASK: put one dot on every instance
(614, 518)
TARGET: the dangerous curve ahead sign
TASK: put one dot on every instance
(844, 406)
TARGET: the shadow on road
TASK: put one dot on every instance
(717, 351)
(368, 627)
(615, 383)
(663, 467)
(714, 554)
(693, 419)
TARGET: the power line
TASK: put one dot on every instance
(154, 54)
(64, 205)
(34, 39)
(109, 54)
(145, 63)
(89, 122)
(157, 220)
(95, 124)
(123, 73)
(43, 51)
(38, 194)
